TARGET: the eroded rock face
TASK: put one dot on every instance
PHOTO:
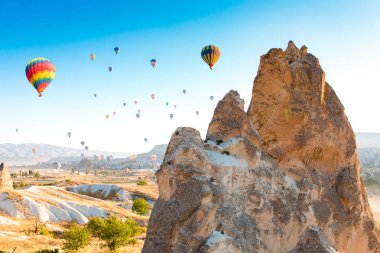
(283, 177)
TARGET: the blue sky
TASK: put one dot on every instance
(342, 34)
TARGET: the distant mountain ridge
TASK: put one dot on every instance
(21, 154)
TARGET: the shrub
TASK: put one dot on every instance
(76, 238)
(117, 233)
(95, 225)
(140, 206)
(142, 182)
(47, 251)
(43, 230)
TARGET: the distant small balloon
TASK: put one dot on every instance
(175, 106)
(153, 62)
(110, 69)
(153, 157)
(137, 115)
(184, 91)
(82, 143)
(92, 56)
(153, 96)
(69, 134)
(124, 104)
(34, 150)
(138, 110)
(86, 147)
(167, 103)
(16, 130)
(117, 50)
(197, 113)
(212, 98)
(146, 139)
(135, 102)
(95, 95)
(107, 116)
(171, 115)
(82, 155)
(114, 114)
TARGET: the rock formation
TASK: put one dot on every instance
(5, 179)
(282, 177)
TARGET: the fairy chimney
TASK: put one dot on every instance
(5, 178)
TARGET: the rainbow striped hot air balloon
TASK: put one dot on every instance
(40, 72)
(210, 54)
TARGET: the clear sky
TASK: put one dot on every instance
(343, 34)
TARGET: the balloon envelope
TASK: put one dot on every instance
(69, 134)
(40, 72)
(92, 57)
(146, 139)
(34, 150)
(110, 69)
(171, 115)
(137, 115)
(153, 96)
(107, 116)
(210, 54)
(211, 98)
(124, 104)
(117, 50)
(153, 157)
(82, 143)
(197, 113)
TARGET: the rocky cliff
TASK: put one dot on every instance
(5, 178)
(282, 177)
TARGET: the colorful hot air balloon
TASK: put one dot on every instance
(153, 96)
(153, 157)
(171, 115)
(117, 50)
(107, 116)
(133, 157)
(40, 72)
(92, 56)
(124, 104)
(69, 134)
(175, 106)
(34, 150)
(82, 143)
(197, 113)
(137, 115)
(135, 102)
(110, 69)
(210, 54)
(211, 98)
(153, 62)
(184, 91)
(146, 139)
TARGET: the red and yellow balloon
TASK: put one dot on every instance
(40, 72)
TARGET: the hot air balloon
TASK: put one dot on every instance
(153, 96)
(16, 130)
(138, 110)
(114, 114)
(210, 54)
(124, 104)
(133, 157)
(86, 148)
(167, 103)
(135, 102)
(110, 69)
(82, 155)
(34, 150)
(197, 113)
(137, 115)
(95, 95)
(153, 157)
(153, 62)
(92, 56)
(211, 98)
(69, 134)
(175, 106)
(146, 139)
(184, 91)
(117, 50)
(107, 116)
(40, 72)
(82, 143)
(171, 115)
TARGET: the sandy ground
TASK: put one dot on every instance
(25, 240)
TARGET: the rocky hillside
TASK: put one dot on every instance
(281, 177)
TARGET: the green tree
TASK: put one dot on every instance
(48, 251)
(117, 233)
(95, 225)
(140, 206)
(76, 237)
(37, 174)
